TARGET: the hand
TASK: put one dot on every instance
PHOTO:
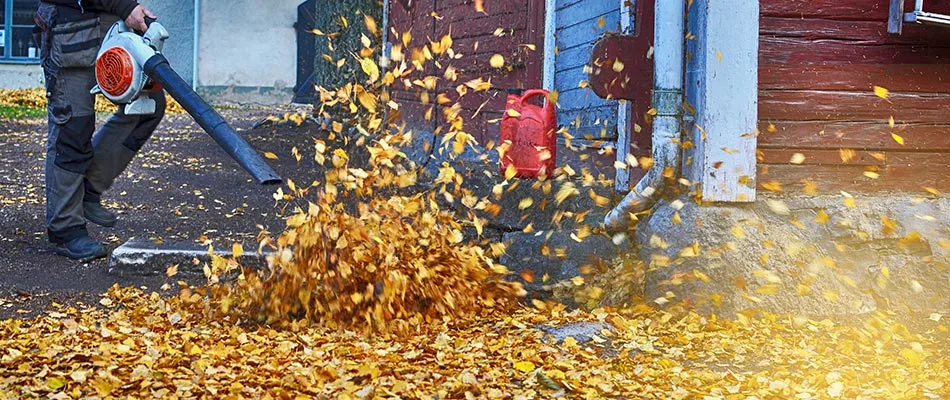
(136, 19)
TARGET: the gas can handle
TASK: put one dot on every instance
(532, 93)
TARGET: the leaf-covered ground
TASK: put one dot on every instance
(145, 346)
(317, 323)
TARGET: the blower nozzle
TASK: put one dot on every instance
(159, 70)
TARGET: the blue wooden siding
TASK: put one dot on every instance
(577, 29)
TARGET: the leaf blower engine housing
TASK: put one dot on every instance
(120, 72)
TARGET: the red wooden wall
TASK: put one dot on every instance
(521, 23)
(819, 61)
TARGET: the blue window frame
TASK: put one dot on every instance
(16, 32)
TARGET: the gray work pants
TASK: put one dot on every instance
(80, 166)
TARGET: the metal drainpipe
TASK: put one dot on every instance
(194, 54)
(386, 55)
(669, 49)
(550, 42)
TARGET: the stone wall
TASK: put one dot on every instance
(817, 255)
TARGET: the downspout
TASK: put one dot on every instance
(550, 42)
(194, 55)
(384, 37)
(669, 49)
(624, 108)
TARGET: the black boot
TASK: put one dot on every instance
(97, 214)
(83, 248)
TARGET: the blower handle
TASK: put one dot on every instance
(148, 24)
(158, 69)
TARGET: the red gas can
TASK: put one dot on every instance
(528, 140)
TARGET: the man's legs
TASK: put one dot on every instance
(68, 155)
(115, 144)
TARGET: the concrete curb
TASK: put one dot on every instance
(145, 258)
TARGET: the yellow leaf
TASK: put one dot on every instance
(237, 250)
(846, 154)
(480, 6)
(525, 203)
(478, 225)
(768, 289)
(797, 158)
(718, 56)
(772, 186)
(171, 271)
(270, 155)
(371, 24)
(510, 172)
(849, 200)
(897, 138)
(881, 92)
(370, 68)
(738, 232)
(524, 366)
(913, 357)
(55, 383)
(618, 66)
(601, 23)
(368, 101)
(497, 61)
(822, 217)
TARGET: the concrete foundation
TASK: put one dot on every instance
(145, 258)
(810, 255)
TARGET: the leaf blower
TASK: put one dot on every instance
(130, 64)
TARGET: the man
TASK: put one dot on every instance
(79, 168)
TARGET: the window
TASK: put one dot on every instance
(16, 31)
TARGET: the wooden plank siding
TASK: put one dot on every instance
(819, 61)
(473, 37)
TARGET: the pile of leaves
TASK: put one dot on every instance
(36, 98)
(146, 345)
(378, 263)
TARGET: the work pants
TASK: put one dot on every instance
(82, 163)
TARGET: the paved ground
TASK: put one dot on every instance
(182, 188)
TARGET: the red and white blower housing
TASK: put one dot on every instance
(120, 73)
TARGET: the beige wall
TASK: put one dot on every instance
(18, 76)
(248, 43)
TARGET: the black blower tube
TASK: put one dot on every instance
(158, 69)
